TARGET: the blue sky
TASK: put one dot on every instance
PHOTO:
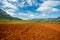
(30, 9)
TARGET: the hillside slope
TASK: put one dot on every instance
(47, 20)
(4, 15)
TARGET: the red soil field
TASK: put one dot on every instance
(30, 31)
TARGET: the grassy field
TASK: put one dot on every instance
(12, 21)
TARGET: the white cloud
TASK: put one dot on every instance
(12, 0)
(7, 4)
(10, 12)
(43, 14)
(21, 4)
(48, 0)
(55, 9)
(31, 15)
(32, 2)
(12, 7)
(47, 9)
(22, 14)
(50, 3)
(29, 2)
(48, 6)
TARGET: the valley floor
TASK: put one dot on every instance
(30, 31)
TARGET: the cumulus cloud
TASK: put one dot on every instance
(43, 14)
(48, 6)
(34, 2)
(29, 2)
(21, 4)
(24, 3)
(22, 14)
(10, 12)
(12, 0)
(50, 3)
(29, 14)
(47, 9)
(7, 4)
(48, 0)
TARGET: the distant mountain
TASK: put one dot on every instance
(47, 20)
(58, 19)
(4, 15)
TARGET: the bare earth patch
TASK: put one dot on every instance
(30, 31)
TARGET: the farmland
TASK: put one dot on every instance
(29, 31)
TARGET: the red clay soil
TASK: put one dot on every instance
(29, 31)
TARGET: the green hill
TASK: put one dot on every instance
(52, 20)
(4, 16)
